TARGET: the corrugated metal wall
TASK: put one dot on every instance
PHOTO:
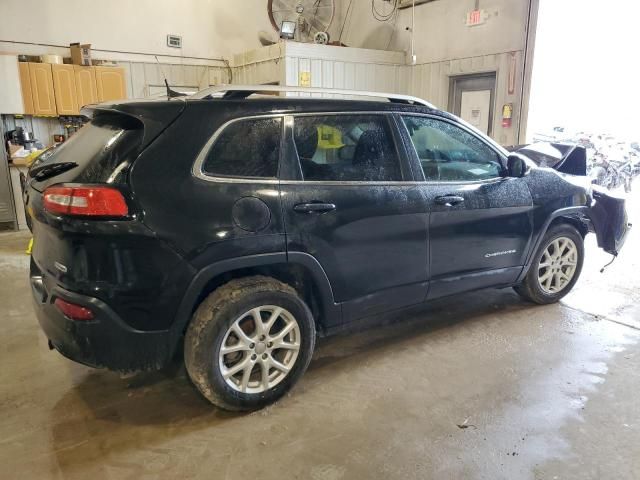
(326, 67)
(375, 70)
(260, 66)
(348, 68)
(348, 75)
(431, 82)
(141, 76)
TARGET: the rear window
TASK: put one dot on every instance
(102, 150)
(346, 148)
(246, 148)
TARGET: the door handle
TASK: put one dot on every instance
(449, 200)
(314, 207)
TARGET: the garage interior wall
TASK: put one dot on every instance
(214, 31)
(133, 34)
(211, 29)
(446, 47)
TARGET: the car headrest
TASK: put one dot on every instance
(306, 139)
(369, 150)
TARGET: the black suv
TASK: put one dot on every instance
(242, 225)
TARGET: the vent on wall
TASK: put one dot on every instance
(174, 41)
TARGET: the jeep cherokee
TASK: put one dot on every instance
(242, 225)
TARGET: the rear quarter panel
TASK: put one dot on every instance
(197, 216)
(120, 262)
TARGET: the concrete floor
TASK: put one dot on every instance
(476, 386)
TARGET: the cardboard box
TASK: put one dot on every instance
(81, 54)
(22, 161)
(13, 149)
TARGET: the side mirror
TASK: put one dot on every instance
(517, 166)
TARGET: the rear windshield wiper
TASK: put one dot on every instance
(51, 170)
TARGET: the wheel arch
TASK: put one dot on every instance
(575, 220)
(300, 270)
(577, 217)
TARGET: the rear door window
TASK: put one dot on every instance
(448, 153)
(346, 148)
(246, 148)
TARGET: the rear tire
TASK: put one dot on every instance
(556, 266)
(249, 342)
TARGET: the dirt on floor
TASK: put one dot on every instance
(481, 385)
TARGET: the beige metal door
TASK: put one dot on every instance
(475, 108)
(472, 97)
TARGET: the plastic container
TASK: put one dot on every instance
(56, 59)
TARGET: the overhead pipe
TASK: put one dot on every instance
(413, 30)
(413, 59)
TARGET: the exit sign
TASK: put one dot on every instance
(476, 17)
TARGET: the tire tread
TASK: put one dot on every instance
(529, 288)
(206, 321)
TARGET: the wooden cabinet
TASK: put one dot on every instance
(110, 83)
(42, 89)
(25, 83)
(86, 87)
(50, 90)
(64, 87)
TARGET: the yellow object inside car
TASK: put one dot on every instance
(329, 138)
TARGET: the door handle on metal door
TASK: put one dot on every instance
(449, 200)
(314, 207)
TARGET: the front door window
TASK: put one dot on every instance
(448, 153)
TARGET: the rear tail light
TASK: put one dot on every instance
(86, 201)
(73, 311)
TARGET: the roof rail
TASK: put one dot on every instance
(244, 91)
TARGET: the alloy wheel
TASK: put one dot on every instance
(259, 349)
(557, 265)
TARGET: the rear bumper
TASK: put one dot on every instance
(104, 342)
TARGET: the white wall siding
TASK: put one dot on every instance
(351, 69)
(328, 67)
(141, 77)
(431, 82)
(138, 80)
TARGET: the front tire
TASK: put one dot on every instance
(556, 266)
(249, 342)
